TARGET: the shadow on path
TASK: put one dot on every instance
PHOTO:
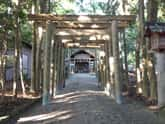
(81, 102)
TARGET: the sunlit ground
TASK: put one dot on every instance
(61, 107)
(67, 100)
(81, 102)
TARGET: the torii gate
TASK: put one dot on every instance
(90, 31)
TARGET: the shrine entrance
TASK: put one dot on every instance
(82, 61)
(82, 67)
(63, 33)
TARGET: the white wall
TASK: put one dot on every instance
(82, 56)
(160, 70)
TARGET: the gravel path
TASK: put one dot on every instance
(81, 102)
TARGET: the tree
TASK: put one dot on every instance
(161, 10)
(152, 12)
(108, 7)
(19, 17)
(59, 7)
(5, 27)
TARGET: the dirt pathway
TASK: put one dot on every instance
(81, 102)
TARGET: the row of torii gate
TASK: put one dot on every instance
(90, 31)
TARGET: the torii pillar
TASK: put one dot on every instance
(47, 61)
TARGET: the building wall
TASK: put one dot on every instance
(160, 70)
(26, 54)
(82, 56)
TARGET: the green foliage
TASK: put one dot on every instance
(133, 7)
(109, 7)
(131, 35)
(59, 7)
(9, 12)
(98, 7)
(161, 12)
(9, 61)
(26, 32)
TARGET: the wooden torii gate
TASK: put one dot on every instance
(90, 31)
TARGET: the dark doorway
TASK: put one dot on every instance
(82, 67)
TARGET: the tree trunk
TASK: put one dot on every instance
(1, 76)
(36, 53)
(125, 59)
(21, 71)
(45, 6)
(144, 49)
(138, 71)
(16, 62)
(3, 50)
(138, 46)
(152, 11)
(34, 49)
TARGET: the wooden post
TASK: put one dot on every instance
(56, 64)
(102, 68)
(105, 65)
(59, 65)
(33, 67)
(95, 63)
(52, 71)
(38, 58)
(108, 85)
(101, 71)
(54, 78)
(116, 62)
(62, 66)
(47, 58)
(125, 59)
(111, 66)
(121, 57)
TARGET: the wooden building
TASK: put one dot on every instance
(26, 54)
(82, 62)
(156, 33)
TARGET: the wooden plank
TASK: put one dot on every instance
(78, 37)
(80, 18)
(83, 25)
(78, 25)
(84, 46)
(87, 41)
(80, 32)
